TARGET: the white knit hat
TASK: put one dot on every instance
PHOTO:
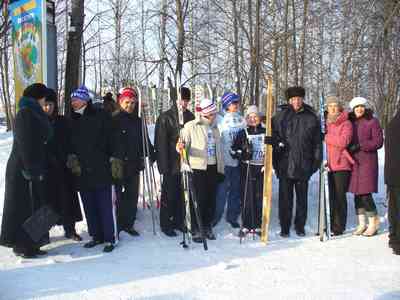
(207, 107)
(252, 109)
(357, 101)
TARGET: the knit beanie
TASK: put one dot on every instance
(295, 91)
(81, 93)
(207, 107)
(252, 109)
(228, 98)
(127, 92)
(357, 101)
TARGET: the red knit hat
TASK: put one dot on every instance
(127, 92)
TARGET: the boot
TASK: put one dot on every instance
(361, 225)
(373, 226)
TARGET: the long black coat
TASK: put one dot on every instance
(166, 137)
(392, 152)
(128, 143)
(31, 134)
(300, 132)
(59, 182)
(90, 138)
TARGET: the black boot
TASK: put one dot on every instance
(131, 231)
(92, 243)
(169, 232)
(109, 247)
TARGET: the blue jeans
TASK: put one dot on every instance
(229, 191)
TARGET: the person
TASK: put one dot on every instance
(109, 104)
(25, 172)
(59, 188)
(201, 139)
(339, 133)
(297, 154)
(128, 141)
(392, 180)
(168, 162)
(90, 152)
(367, 139)
(229, 190)
(249, 148)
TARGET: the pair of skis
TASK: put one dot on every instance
(189, 192)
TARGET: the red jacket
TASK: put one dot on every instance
(337, 138)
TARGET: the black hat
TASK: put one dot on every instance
(51, 96)
(36, 91)
(295, 91)
(185, 93)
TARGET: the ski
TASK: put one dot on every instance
(267, 189)
(324, 217)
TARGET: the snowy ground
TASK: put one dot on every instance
(157, 268)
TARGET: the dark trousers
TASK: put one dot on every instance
(97, 204)
(365, 205)
(252, 197)
(338, 185)
(127, 201)
(286, 186)
(394, 217)
(171, 210)
(205, 189)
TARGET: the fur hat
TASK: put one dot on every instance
(36, 91)
(357, 101)
(228, 98)
(295, 91)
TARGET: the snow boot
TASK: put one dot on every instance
(108, 247)
(373, 226)
(361, 225)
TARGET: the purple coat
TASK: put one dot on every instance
(368, 133)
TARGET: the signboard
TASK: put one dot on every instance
(28, 25)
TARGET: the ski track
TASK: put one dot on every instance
(158, 268)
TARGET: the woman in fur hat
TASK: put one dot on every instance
(367, 139)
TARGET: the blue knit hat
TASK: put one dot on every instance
(229, 98)
(81, 93)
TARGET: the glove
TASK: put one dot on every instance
(353, 148)
(236, 154)
(220, 177)
(32, 177)
(117, 168)
(269, 140)
(73, 164)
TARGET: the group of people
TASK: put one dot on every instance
(99, 154)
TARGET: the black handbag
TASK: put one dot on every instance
(41, 220)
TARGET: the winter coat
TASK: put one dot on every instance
(31, 133)
(166, 137)
(300, 133)
(195, 135)
(59, 182)
(246, 142)
(337, 138)
(90, 138)
(229, 127)
(128, 143)
(392, 152)
(368, 134)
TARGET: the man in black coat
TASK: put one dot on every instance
(128, 159)
(90, 150)
(392, 180)
(297, 154)
(25, 172)
(168, 162)
(60, 192)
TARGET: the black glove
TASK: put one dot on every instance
(353, 148)
(269, 140)
(236, 154)
(30, 176)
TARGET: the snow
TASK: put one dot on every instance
(158, 268)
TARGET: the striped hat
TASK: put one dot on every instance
(207, 107)
(81, 93)
(229, 98)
